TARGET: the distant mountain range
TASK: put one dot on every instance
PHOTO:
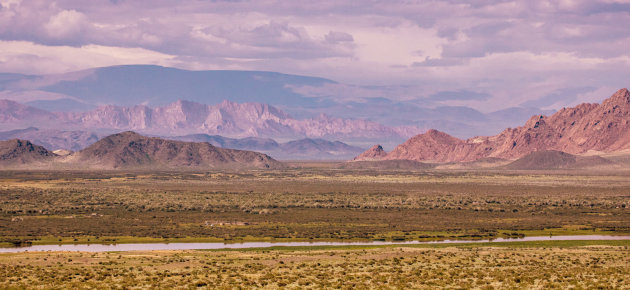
(183, 117)
(53, 139)
(129, 150)
(302, 149)
(302, 97)
(586, 128)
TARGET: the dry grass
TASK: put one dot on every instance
(403, 268)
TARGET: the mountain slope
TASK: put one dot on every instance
(600, 127)
(132, 150)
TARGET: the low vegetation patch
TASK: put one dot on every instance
(391, 267)
(305, 204)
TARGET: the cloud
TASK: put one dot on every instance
(27, 57)
(66, 24)
(338, 37)
(511, 52)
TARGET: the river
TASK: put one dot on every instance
(245, 245)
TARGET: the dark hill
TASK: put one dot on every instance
(132, 150)
(20, 152)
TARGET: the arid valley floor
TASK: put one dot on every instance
(317, 202)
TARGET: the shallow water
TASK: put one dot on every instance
(207, 246)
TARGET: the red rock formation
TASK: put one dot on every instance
(374, 153)
(601, 127)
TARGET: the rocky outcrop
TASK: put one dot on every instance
(374, 153)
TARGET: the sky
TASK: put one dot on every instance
(486, 54)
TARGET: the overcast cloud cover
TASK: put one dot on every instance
(486, 54)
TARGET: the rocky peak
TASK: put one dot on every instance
(619, 99)
(435, 136)
(374, 153)
(622, 96)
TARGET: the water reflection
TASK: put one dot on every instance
(209, 246)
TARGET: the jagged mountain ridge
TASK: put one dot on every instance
(227, 118)
(601, 127)
(301, 96)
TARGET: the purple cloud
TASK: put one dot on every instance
(501, 49)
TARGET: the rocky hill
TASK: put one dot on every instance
(132, 150)
(18, 152)
(587, 127)
(375, 153)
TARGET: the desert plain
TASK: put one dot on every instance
(317, 201)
